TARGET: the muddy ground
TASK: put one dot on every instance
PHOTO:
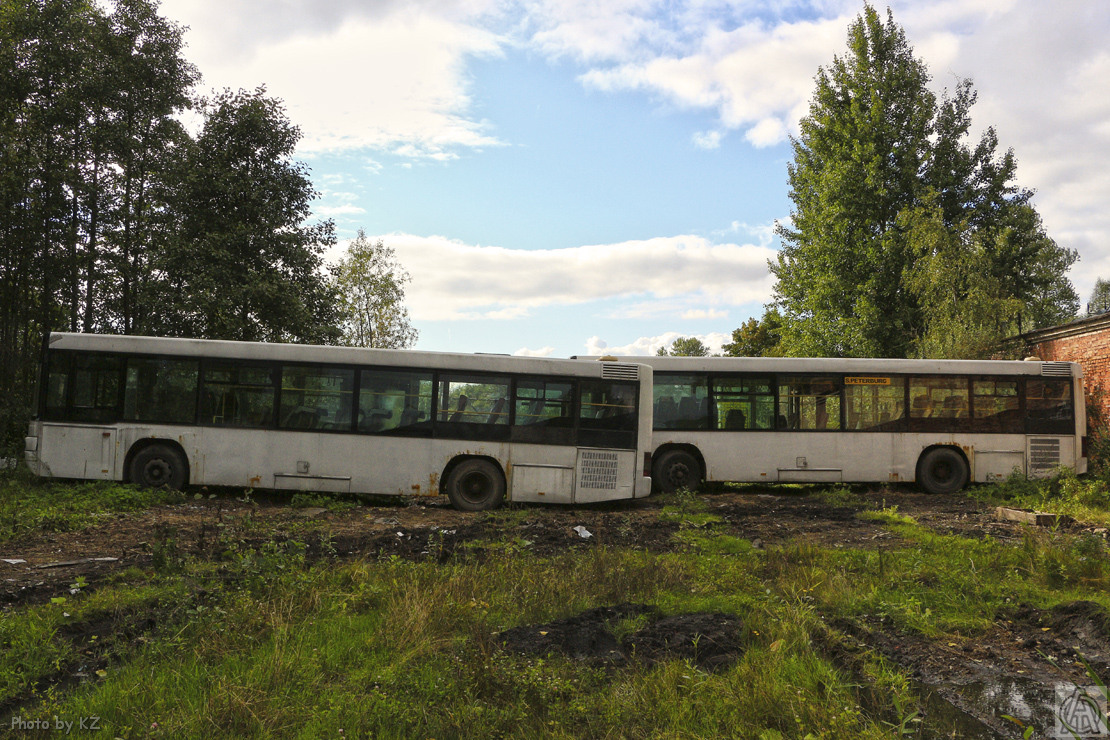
(1014, 665)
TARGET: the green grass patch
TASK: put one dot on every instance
(30, 504)
(1085, 498)
(392, 648)
(264, 643)
(886, 515)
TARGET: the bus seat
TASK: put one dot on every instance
(665, 411)
(495, 412)
(688, 411)
(460, 409)
(734, 419)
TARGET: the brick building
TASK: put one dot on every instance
(1086, 341)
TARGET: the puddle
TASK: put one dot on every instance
(954, 710)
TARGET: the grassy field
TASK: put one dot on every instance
(275, 636)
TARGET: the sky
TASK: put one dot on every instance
(566, 177)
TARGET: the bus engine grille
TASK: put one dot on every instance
(620, 371)
(1056, 369)
(1044, 454)
(597, 470)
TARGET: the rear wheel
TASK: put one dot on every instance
(942, 470)
(159, 466)
(476, 485)
(676, 469)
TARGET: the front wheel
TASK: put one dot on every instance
(476, 485)
(159, 466)
(676, 469)
(942, 470)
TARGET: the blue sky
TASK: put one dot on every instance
(571, 177)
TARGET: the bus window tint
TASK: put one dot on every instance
(809, 403)
(939, 404)
(237, 395)
(607, 414)
(539, 402)
(874, 403)
(743, 403)
(57, 385)
(474, 399)
(161, 390)
(996, 406)
(1048, 406)
(681, 401)
(316, 397)
(96, 388)
(543, 411)
(394, 402)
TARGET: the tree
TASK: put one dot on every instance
(1100, 298)
(238, 260)
(967, 311)
(685, 347)
(371, 287)
(876, 146)
(757, 337)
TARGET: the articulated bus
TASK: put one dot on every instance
(478, 428)
(939, 423)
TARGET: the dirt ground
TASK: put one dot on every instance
(1010, 665)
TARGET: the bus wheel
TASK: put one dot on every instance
(476, 485)
(676, 469)
(942, 470)
(158, 466)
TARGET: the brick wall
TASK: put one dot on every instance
(1086, 341)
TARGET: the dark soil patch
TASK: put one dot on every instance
(99, 641)
(710, 641)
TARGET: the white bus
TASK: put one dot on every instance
(939, 423)
(478, 428)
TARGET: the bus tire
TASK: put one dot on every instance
(159, 466)
(942, 470)
(677, 469)
(476, 485)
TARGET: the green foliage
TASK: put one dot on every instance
(89, 104)
(757, 337)
(685, 347)
(371, 286)
(966, 310)
(29, 504)
(241, 261)
(1100, 298)
(882, 178)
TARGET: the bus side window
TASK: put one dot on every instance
(395, 402)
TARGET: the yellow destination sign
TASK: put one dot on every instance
(866, 381)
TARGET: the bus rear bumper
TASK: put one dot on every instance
(643, 487)
(31, 454)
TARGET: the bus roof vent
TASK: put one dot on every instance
(620, 371)
(1061, 369)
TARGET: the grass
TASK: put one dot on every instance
(262, 641)
(29, 504)
(1085, 498)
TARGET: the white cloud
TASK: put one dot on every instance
(645, 346)
(707, 139)
(388, 76)
(704, 313)
(343, 210)
(456, 281)
(541, 352)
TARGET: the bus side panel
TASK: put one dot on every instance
(862, 457)
(71, 451)
(605, 475)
